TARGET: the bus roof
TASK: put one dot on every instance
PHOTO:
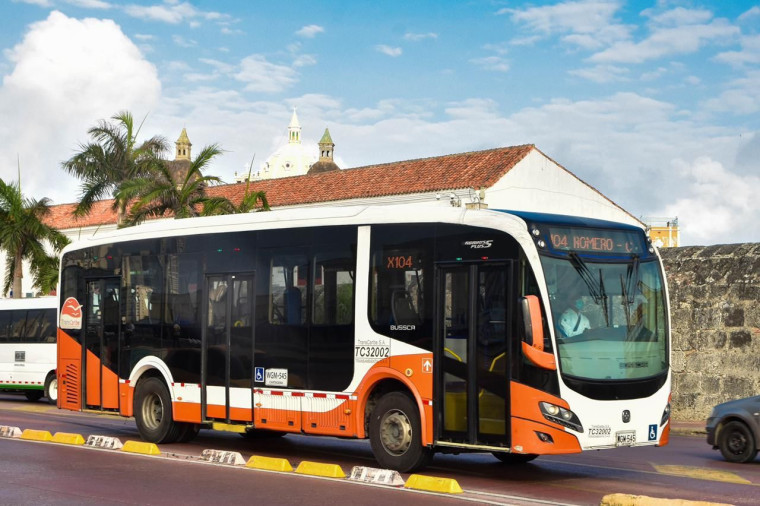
(567, 220)
(512, 221)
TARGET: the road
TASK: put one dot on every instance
(49, 473)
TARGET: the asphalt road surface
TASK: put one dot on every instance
(48, 473)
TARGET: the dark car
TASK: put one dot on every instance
(734, 428)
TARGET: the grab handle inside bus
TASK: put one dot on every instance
(533, 345)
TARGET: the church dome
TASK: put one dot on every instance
(291, 159)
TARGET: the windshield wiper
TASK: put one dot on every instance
(603, 294)
(631, 279)
(585, 273)
(597, 291)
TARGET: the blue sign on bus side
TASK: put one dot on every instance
(653, 432)
(259, 376)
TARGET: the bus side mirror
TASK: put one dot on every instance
(533, 345)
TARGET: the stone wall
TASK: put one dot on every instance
(715, 307)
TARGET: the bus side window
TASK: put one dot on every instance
(18, 325)
(5, 320)
(333, 289)
(287, 290)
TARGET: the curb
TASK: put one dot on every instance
(642, 500)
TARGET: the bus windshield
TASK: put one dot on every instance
(609, 317)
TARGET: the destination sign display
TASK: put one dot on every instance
(402, 260)
(596, 240)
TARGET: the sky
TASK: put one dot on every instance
(654, 103)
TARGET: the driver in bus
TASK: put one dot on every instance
(572, 322)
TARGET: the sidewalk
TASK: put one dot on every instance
(690, 428)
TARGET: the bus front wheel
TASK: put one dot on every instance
(395, 434)
(514, 458)
(153, 412)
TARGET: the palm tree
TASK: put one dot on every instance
(22, 232)
(161, 193)
(251, 199)
(112, 159)
(250, 202)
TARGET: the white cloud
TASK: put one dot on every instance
(183, 42)
(173, 13)
(741, 98)
(501, 49)
(390, 51)
(750, 53)
(679, 16)
(62, 81)
(663, 42)
(602, 73)
(754, 11)
(40, 3)
(416, 37)
(588, 23)
(493, 63)
(90, 4)
(717, 202)
(304, 60)
(310, 31)
(264, 76)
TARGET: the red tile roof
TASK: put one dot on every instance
(440, 173)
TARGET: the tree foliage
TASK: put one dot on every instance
(23, 233)
(111, 160)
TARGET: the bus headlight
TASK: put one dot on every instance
(561, 416)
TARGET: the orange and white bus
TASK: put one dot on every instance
(421, 329)
(27, 347)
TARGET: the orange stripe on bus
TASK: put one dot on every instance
(92, 385)
(187, 411)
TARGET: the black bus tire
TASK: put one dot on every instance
(395, 434)
(188, 432)
(51, 388)
(33, 395)
(514, 458)
(153, 412)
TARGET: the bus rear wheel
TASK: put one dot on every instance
(153, 412)
(395, 434)
(33, 395)
(51, 388)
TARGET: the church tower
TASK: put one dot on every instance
(326, 151)
(183, 147)
(326, 146)
(294, 129)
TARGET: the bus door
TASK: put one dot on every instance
(227, 357)
(472, 327)
(101, 343)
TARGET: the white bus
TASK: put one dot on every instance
(28, 347)
(422, 329)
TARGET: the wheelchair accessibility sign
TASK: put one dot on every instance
(259, 376)
(653, 432)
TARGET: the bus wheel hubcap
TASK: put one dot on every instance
(396, 432)
(153, 411)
